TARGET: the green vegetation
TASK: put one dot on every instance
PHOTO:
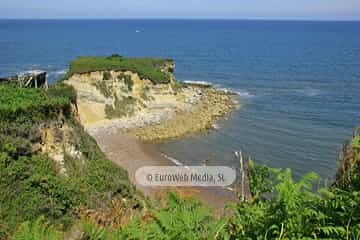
(127, 80)
(295, 211)
(144, 94)
(37, 202)
(179, 219)
(22, 104)
(103, 88)
(122, 107)
(106, 75)
(37, 230)
(349, 179)
(146, 67)
(261, 178)
(356, 142)
(286, 210)
(129, 83)
(30, 182)
(30, 187)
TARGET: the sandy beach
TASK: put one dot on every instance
(126, 122)
(132, 154)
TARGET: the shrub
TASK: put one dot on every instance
(180, 219)
(127, 80)
(103, 88)
(261, 179)
(144, 94)
(356, 142)
(37, 230)
(29, 104)
(106, 75)
(115, 57)
(30, 187)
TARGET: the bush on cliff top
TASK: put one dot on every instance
(25, 104)
(146, 67)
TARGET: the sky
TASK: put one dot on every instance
(223, 9)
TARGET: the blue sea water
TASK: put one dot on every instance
(298, 82)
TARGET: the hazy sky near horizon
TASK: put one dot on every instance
(243, 9)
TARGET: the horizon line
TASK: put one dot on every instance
(199, 19)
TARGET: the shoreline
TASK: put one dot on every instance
(131, 154)
(129, 141)
(188, 116)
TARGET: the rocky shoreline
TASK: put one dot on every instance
(127, 102)
(198, 112)
(201, 116)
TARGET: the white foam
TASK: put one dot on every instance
(244, 94)
(177, 162)
(35, 71)
(240, 93)
(172, 159)
(309, 92)
(197, 82)
(59, 72)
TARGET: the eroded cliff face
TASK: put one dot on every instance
(56, 138)
(104, 95)
(59, 140)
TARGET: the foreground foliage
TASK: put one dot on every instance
(294, 211)
(40, 229)
(287, 210)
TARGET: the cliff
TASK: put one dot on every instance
(116, 87)
(121, 94)
(48, 164)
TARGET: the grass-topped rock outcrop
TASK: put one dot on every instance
(156, 70)
(115, 96)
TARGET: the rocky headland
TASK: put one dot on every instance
(127, 101)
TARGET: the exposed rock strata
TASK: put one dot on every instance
(152, 112)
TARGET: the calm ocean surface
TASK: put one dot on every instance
(298, 82)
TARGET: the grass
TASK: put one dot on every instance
(146, 67)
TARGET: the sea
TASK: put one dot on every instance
(298, 82)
